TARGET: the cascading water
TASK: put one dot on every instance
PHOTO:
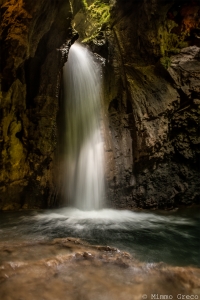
(46, 242)
(83, 143)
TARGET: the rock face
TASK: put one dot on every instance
(152, 94)
(35, 37)
(151, 98)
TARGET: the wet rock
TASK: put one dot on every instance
(50, 272)
(152, 118)
(151, 110)
(33, 36)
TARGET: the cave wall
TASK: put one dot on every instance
(35, 39)
(152, 104)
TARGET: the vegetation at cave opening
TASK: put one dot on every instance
(97, 14)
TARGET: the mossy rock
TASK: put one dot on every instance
(92, 18)
(165, 62)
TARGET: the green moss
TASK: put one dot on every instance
(173, 51)
(90, 38)
(170, 43)
(182, 44)
(98, 14)
(165, 61)
(176, 48)
(84, 4)
(99, 11)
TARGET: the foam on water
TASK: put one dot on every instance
(152, 237)
(110, 218)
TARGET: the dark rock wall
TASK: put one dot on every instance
(35, 36)
(151, 107)
(152, 94)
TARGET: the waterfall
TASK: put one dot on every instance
(84, 163)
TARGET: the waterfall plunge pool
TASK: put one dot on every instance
(51, 255)
(170, 237)
(38, 260)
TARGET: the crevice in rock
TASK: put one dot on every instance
(185, 100)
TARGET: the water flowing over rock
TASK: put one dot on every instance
(71, 269)
(82, 162)
(150, 52)
(152, 93)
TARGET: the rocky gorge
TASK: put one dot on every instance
(150, 54)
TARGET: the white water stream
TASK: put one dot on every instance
(83, 143)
